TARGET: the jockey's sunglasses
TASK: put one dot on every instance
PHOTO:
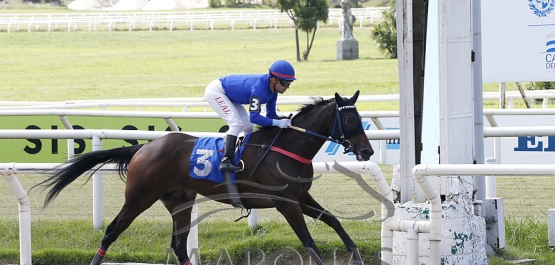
(285, 83)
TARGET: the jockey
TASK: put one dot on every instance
(228, 94)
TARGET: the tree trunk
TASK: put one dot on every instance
(523, 95)
(297, 42)
(309, 46)
(502, 101)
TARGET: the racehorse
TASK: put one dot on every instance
(277, 173)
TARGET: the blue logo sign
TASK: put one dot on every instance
(541, 8)
(531, 144)
(550, 43)
(550, 53)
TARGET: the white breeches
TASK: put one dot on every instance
(234, 114)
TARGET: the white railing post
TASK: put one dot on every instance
(24, 217)
(97, 189)
(253, 219)
(192, 239)
(70, 142)
(491, 181)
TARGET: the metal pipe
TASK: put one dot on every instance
(412, 246)
(519, 131)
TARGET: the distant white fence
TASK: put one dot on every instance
(171, 20)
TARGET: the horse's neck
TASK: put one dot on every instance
(306, 144)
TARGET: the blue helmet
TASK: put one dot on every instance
(283, 70)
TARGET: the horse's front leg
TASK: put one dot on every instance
(313, 209)
(294, 216)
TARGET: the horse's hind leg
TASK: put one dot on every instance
(136, 202)
(180, 204)
(313, 209)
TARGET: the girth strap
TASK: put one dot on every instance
(290, 154)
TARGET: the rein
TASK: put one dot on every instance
(337, 124)
(264, 156)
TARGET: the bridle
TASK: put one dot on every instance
(336, 131)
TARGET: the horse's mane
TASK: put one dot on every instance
(317, 102)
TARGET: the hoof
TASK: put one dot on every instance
(356, 262)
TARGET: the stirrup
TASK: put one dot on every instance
(229, 166)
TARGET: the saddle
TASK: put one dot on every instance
(205, 164)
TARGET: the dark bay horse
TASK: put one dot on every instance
(159, 170)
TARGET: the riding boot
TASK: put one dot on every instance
(229, 153)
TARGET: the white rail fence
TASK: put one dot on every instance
(420, 173)
(186, 103)
(183, 103)
(98, 135)
(185, 19)
(381, 133)
(10, 170)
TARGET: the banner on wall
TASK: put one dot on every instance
(55, 150)
(518, 40)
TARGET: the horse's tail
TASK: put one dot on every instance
(69, 171)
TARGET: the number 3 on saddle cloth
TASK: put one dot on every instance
(206, 157)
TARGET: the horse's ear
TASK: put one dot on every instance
(338, 98)
(355, 97)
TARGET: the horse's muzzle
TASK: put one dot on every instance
(364, 154)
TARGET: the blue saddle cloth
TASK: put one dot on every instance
(206, 157)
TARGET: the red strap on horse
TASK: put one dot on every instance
(292, 155)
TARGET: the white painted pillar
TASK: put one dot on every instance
(97, 189)
(406, 95)
(479, 181)
(430, 119)
(456, 93)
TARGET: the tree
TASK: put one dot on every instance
(540, 86)
(385, 33)
(305, 15)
